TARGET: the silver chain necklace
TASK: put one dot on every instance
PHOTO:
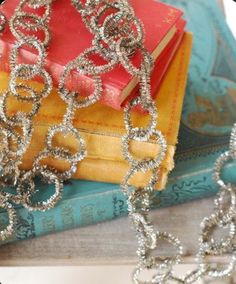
(118, 36)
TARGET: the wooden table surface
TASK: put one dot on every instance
(111, 242)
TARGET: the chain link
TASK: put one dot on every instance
(16, 129)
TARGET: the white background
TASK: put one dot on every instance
(230, 9)
(87, 275)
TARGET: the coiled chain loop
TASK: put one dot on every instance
(16, 129)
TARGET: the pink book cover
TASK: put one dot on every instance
(70, 37)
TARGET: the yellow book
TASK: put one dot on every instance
(103, 127)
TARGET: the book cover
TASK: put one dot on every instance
(210, 101)
(161, 23)
(85, 203)
(103, 136)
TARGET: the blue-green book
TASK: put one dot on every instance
(85, 203)
(209, 110)
(208, 115)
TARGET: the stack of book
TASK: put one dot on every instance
(94, 194)
(164, 29)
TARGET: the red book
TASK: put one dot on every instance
(162, 62)
(163, 30)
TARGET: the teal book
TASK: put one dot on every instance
(208, 115)
(209, 110)
(86, 202)
(210, 100)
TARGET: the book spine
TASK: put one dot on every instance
(97, 207)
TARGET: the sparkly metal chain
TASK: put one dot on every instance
(224, 217)
(16, 130)
(118, 36)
